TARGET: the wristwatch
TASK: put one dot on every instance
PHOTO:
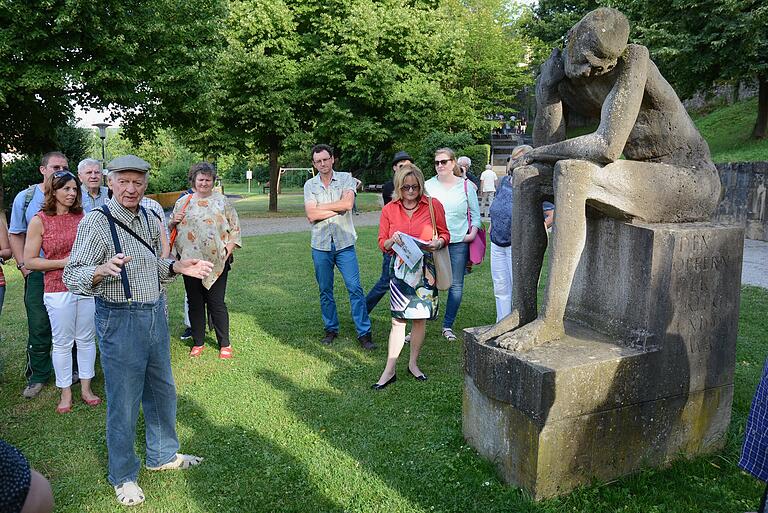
(171, 272)
(19, 266)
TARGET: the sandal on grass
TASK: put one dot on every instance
(181, 462)
(448, 334)
(196, 351)
(129, 494)
(225, 353)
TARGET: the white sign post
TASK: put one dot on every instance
(249, 177)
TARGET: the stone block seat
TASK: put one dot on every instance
(643, 375)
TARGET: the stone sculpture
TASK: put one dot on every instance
(667, 175)
(630, 362)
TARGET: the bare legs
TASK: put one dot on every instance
(529, 234)
(650, 192)
(65, 402)
(396, 342)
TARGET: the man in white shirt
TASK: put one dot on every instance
(487, 189)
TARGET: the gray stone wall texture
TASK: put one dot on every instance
(745, 199)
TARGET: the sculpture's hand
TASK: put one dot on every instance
(553, 70)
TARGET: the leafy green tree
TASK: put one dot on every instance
(144, 60)
(260, 103)
(717, 41)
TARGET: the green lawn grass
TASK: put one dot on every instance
(727, 131)
(291, 425)
(289, 204)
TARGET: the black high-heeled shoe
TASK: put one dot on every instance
(422, 377)
(377, 386)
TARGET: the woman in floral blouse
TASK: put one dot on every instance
(208, 228)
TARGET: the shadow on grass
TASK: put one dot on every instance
(243, 470)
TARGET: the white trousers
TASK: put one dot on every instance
(501, 274)
(72, 321)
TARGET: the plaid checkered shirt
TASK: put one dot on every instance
(754, 452)
(93, 247)
(337, 230)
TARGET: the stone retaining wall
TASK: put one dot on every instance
(745, 201)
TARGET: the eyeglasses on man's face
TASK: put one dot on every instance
(59, 167)
(320, 162)
(442, 162)
(407, 188)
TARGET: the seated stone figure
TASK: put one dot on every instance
(667, 175)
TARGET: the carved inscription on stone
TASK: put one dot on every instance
(705, 309)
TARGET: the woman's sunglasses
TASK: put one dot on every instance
(442, 162)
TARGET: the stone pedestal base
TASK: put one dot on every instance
(651, 378)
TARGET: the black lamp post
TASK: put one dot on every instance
(103, 136)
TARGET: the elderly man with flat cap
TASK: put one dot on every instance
(117, 258)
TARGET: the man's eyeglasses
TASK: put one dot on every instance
(59, 167)
(442, 162)
(406, 188)
(322, 161)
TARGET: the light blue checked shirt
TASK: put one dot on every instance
(337, 230)
(89, 202)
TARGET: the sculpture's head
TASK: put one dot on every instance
(595, 43)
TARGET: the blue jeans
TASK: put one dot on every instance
(136, 358)
(346, 260)
(459, 252)
(381, 287)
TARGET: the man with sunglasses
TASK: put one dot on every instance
(328, 200)
(26, 204)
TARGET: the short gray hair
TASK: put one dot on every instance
(87, 163)
(464, 162)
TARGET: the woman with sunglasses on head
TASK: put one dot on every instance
(457, 197)
(413, 292)
(53, 231)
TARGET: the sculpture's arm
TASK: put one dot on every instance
(617, 117)
(549, 126)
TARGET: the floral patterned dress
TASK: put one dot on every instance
(208, 226)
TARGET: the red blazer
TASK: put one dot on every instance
(395, 219)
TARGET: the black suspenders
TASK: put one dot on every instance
(118, 248)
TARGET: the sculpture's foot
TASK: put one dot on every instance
(531, 335)
(505, 325)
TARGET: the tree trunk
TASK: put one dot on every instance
(761, 125)
(274, 174)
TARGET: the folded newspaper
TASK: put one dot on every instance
(410, 249)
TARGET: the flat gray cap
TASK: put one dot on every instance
(128, 163)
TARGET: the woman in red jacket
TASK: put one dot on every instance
(413, 293)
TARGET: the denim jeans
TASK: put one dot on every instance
(136, 358)
(381, 287)
(459, 252)
(346, 260)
